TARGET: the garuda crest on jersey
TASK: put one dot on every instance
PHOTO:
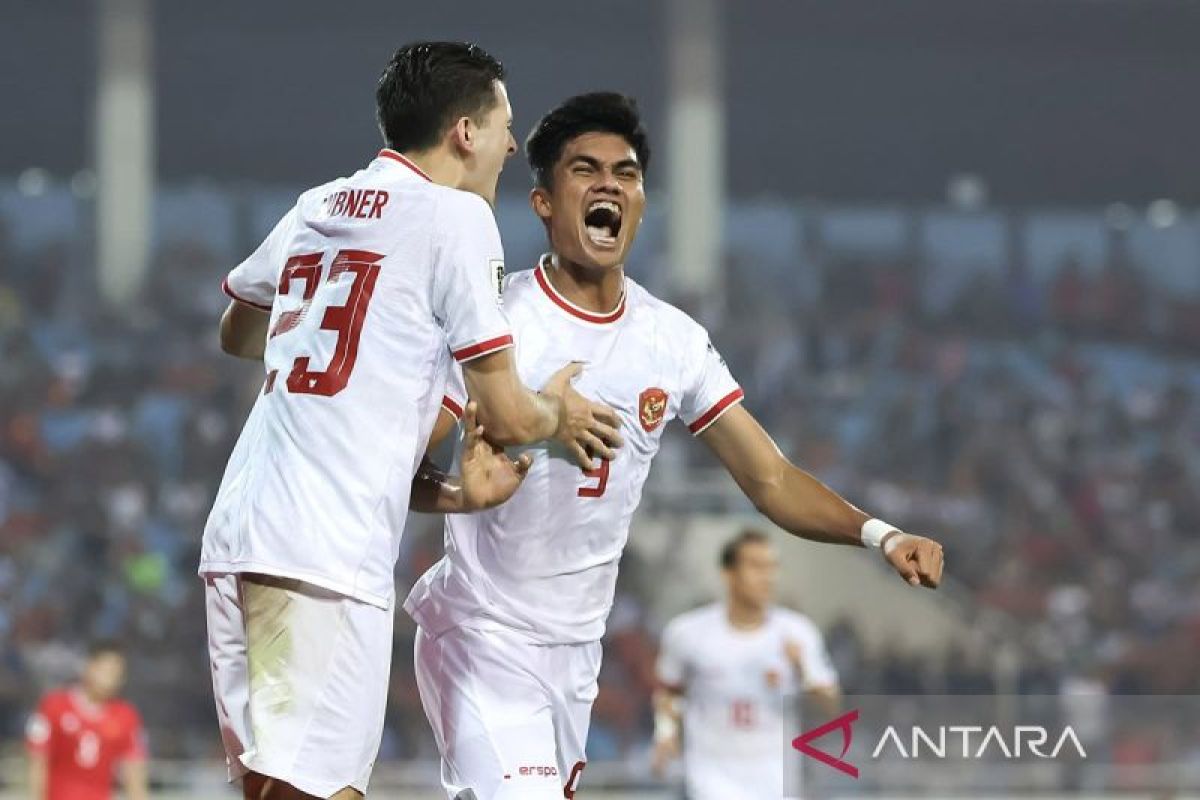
(652, 407)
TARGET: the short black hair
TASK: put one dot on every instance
(104, 647)
(428, 85)
(732, 548)
(595, 112)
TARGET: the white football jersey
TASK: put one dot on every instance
(545, 562)
(739, 696)
(373, 282)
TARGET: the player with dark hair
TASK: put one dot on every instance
(83, 736)
(730, 672)
(511, 618)
(357, 303)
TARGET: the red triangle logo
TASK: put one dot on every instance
(845, 723)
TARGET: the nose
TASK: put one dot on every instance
(512, 145)
(606, 181)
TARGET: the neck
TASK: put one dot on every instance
(745, 616)
(442, 167)
(594, 289)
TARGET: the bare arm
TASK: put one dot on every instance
(244, 331)
(37, 776)
(667, 722)
(802, 505)
(787, 495)
(829, 698)
(135, 778)
(515, 415)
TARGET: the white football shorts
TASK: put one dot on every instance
(510, 715)
(300, 678)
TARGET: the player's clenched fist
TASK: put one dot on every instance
(918, 560)
(585, 428)
(489, 476)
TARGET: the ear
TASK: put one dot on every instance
(539, 201)
(462, 135)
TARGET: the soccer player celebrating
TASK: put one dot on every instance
(357, 302)
(511, 618)
(737, 667)
(81, 736)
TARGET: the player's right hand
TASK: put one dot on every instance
(587, 429)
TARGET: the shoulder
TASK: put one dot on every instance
(698, 619)
(456, 209)
(519, 288)
(54, 701)
(666, 316)
(126, 712)
(796, 623)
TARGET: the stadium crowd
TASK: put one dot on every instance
(1049, 433)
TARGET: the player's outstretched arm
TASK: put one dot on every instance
(515, 415)
(802, 505)
(244, 330)
(135, 777)
(489, 477)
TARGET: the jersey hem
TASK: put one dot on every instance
(713, 414)
(228, 290)
(486, 347)
(240, 567)
(453, 406)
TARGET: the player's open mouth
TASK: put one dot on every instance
(602, 220)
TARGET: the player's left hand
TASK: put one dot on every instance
(489, 476)
(918, 560)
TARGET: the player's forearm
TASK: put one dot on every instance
(243, 331)
(435, 492)
(829, 698)
(37, 778)
(136, 780)
(520, 417)
(802, 505)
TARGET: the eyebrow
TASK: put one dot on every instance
(595, 163)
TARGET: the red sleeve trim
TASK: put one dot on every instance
(452, 406)
(710, 416)
(483, 348)
(233, 295)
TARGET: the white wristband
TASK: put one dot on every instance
(666, 727)
(873, 531)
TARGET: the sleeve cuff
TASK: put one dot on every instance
(714, 413)
(453, 406)
(483, 348)
(228, 290)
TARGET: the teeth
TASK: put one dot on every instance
(601, 236)
(608, 204)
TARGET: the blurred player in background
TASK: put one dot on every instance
(511, 618)
(735, 668)
(82, 736)
(357, 302)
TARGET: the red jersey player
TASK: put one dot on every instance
(79, 736)
(511, 618)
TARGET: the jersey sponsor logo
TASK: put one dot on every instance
(537, 771)
(496, 265)
(652, 407)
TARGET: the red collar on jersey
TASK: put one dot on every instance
(566, 305)
(387, 152)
